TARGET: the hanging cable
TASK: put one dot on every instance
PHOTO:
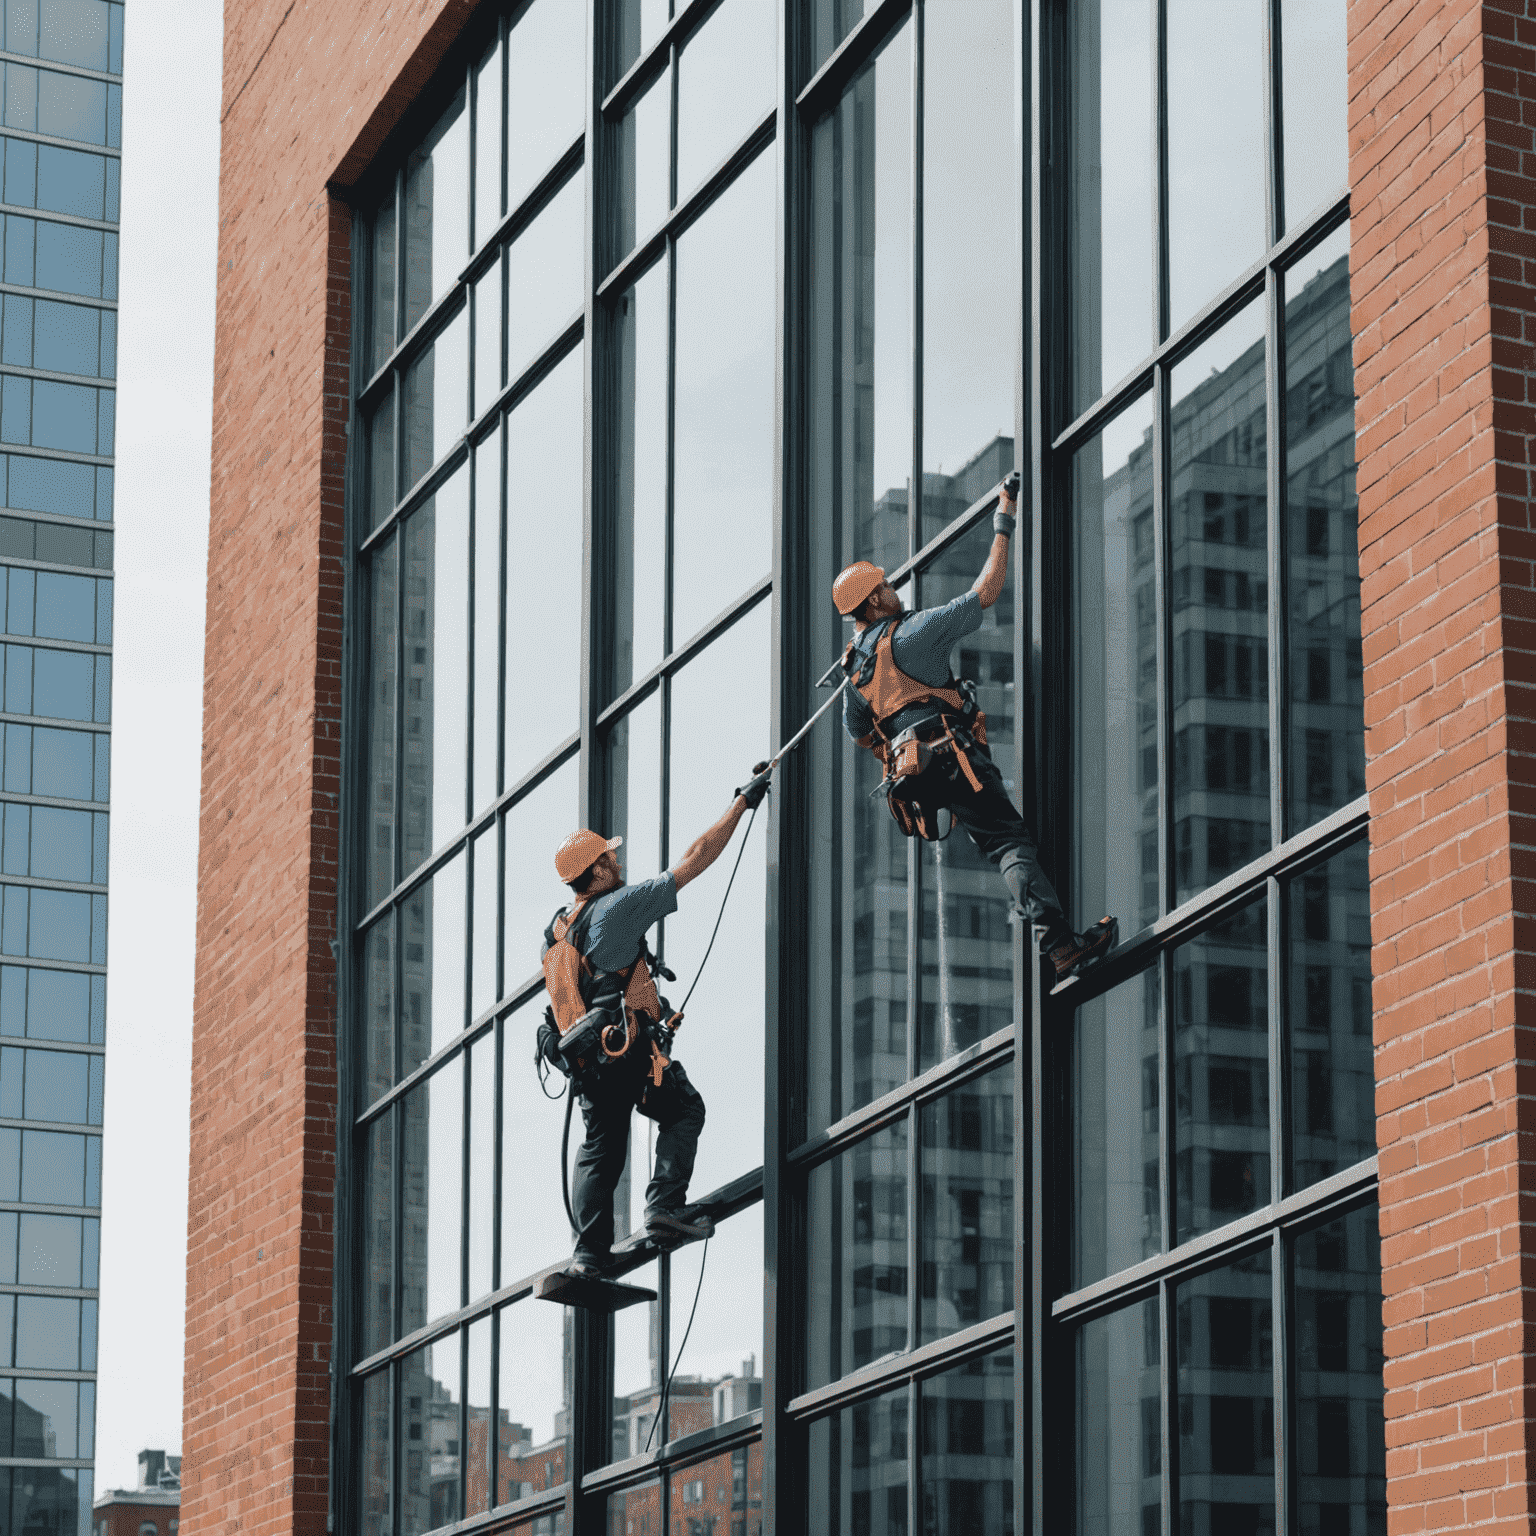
(666, 1391)
(721, 913)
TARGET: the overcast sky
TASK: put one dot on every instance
(171, 65)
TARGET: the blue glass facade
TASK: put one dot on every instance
(60, 133)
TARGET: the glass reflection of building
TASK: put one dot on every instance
(632, 386)
(60, 143)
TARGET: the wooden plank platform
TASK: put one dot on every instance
(596, 1295)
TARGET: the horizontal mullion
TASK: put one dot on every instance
(525, 786)
(685, 653)
(104, 571)
(37, 1372)
(78, 1047)
(71, 1292)
(71, 1462)
(53, 802)
(938, 1080)
(1296, 854)
(46, 641)
(42, 1208)
(531, 1505)
(36, 61)
(1202, 325)
(37, 883)
(52, 376)
(676, 1455)
(63, 297)
(61, 455)
(1211, 1250)
(21, 1123)
(691, 208)
(103, 728)
(56, 141)
(633, 82)
(909, 1365)
(738, 1195)
(850, 56)
(553, 353)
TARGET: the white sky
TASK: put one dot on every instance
(171, 69)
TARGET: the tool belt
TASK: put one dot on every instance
(937, 741)
(600, 1044)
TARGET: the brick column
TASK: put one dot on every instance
(1442, 99)
(311, 92)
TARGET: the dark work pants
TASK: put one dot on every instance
(678, 1109)
(997, 830)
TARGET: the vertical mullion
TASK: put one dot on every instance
(663, 1305)
(493, 1396)
(504, 37)
(915, 496)
(664, 779)
(914, 1217)
(669, 542)
(501, 623)
(914, 1456)
(1274, 121)
(1162, 568)
(1279, 1096)
(1166, 1151)
(463, 1475)
(1169, 1406)
(1160, 244)
(498, 1109)
(1275, 540)
(1281, 1354)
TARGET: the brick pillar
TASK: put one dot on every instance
(1442, 99)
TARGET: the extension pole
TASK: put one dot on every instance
(800, 735)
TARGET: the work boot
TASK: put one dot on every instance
(668, 1229)
(1076, 952)
(585, 1267)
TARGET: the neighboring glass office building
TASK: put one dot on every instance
(660, 320)
(58, 355)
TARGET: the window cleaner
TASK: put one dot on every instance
(923, 725)
(609, 1030)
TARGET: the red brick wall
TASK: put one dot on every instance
(1442, 99)
(310, 90)
(126, 1519)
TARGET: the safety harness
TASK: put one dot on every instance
(594, 1017)
(915, 725)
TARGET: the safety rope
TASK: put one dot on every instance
(666, 1391)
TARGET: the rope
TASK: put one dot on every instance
(721, 913)
(666, 1391)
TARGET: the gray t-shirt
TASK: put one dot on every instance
(920, 647)
(621, 919)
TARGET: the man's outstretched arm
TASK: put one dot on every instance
(703, 851)
(989, 585)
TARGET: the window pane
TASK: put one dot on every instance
(488, 334)
(725, 83)
(431, 1217)
(49, 1248)
(487, 143)
(478, 1487)
(1327, 751)
(1113, 212)
(858, 1470)
(46, 1416)
(967, 939)
(971, 270)
(482, 1161)
(639, 570)
(719, 1374)
(1316, 99)
(723, 1496)
(635, 1509)
(857, 1209)
(1115, 687)
(1220, 600)
(634, 788)
(831, 22)
(545, 273)
(488, 566)
(1115, 1094)
(381, 459)
(1221, 1072)
(1215, 147)
(1341, 1429)
(534, 1228)
(378, 1230)
(1226, 1399)
(1119, 1424)
(383, 272)
(482, 964)
(534, 1396)
(638, 1371)
(435, 405)
(436, 211)
(644, 168)
(967, 1447)
(432, 964)
(720, 722)
(1333, 1076)
(535, 827)
(429, 1437)
(546, 64)
(436, 670)
(379, 1001)
(966, 1226)
(544, 531)
(377, 1454)
(384, 626)
(48, 1334)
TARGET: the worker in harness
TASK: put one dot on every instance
(611, 1032)
(923, 725)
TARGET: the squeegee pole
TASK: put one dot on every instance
(800, 735)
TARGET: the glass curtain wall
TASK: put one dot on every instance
(1218, 1077)
(668, 310)
(60, 139)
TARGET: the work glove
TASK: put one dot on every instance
(1004, 519)
(755, 790)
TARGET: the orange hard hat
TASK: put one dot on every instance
(580, 851)
(854, 585)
